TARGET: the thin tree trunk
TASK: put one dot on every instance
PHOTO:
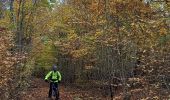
(12, 11)
(18, 34)
(20, 21)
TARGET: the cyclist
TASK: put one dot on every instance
(54, 77)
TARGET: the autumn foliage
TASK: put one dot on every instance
(119, 48)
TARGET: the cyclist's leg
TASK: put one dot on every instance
(50, 90)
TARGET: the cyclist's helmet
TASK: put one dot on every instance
(54, 68)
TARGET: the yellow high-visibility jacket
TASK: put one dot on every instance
(53, 76)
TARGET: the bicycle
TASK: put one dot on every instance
(55, 90)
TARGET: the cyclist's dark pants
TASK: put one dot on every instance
(51, 88)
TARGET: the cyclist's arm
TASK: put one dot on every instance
(48, 75)
(59, 78)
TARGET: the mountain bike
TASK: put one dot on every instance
(55, 90)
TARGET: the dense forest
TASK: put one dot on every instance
(105, 49)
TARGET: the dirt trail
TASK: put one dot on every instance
(39, 91)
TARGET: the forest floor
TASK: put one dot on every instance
(39, 91)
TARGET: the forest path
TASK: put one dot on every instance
(39, 91)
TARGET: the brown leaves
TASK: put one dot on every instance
(6, 60)
(163, 31)
(2, 29)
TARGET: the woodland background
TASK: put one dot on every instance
(118, 48)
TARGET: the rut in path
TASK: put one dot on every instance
(39, 91)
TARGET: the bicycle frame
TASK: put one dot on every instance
(55, 91)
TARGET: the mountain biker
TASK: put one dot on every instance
(54, 77)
